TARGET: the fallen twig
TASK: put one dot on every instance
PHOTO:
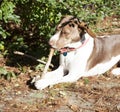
(29, 56)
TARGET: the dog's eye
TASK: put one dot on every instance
(76, 22)
(64, 32)
(71, 25)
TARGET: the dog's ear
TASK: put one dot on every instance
(89, 31)
(64, 20)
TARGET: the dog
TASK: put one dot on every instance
(81, 53)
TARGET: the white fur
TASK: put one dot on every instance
(54, 38)
(75, 62)
(103, 67)
(116, 71)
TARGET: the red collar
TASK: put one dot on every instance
(69, 49)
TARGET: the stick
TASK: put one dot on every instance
(23, 54)
(48, 62)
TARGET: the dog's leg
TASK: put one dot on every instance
(45, 82)
(56, 73)
(49, 78)
(116, 71)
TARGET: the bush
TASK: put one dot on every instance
(6, 15)
(27, 25)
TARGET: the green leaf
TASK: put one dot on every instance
(0, 14)
(3, 71)
(1, 47)
(8, 76)
(86, 81)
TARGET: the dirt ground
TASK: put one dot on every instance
(91, 94)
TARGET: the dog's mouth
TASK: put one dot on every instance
(66, 49)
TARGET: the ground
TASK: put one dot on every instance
(91, 94)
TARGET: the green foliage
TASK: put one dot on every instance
(6, 74)
(7, 11)
(3, 32)
(21, 68)
(86, 81)
(37, 20)
(6, 15)
(1, 46)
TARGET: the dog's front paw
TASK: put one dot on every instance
(41, 84)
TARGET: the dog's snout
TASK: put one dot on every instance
(51, 42)
(54, 39)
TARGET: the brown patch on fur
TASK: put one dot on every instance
(64, 20)
(104, 49)
(89, 31)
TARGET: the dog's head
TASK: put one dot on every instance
(70, 30)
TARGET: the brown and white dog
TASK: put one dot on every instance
(82, 54)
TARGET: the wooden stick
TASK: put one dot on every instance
(23, 54)
(48, 62)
